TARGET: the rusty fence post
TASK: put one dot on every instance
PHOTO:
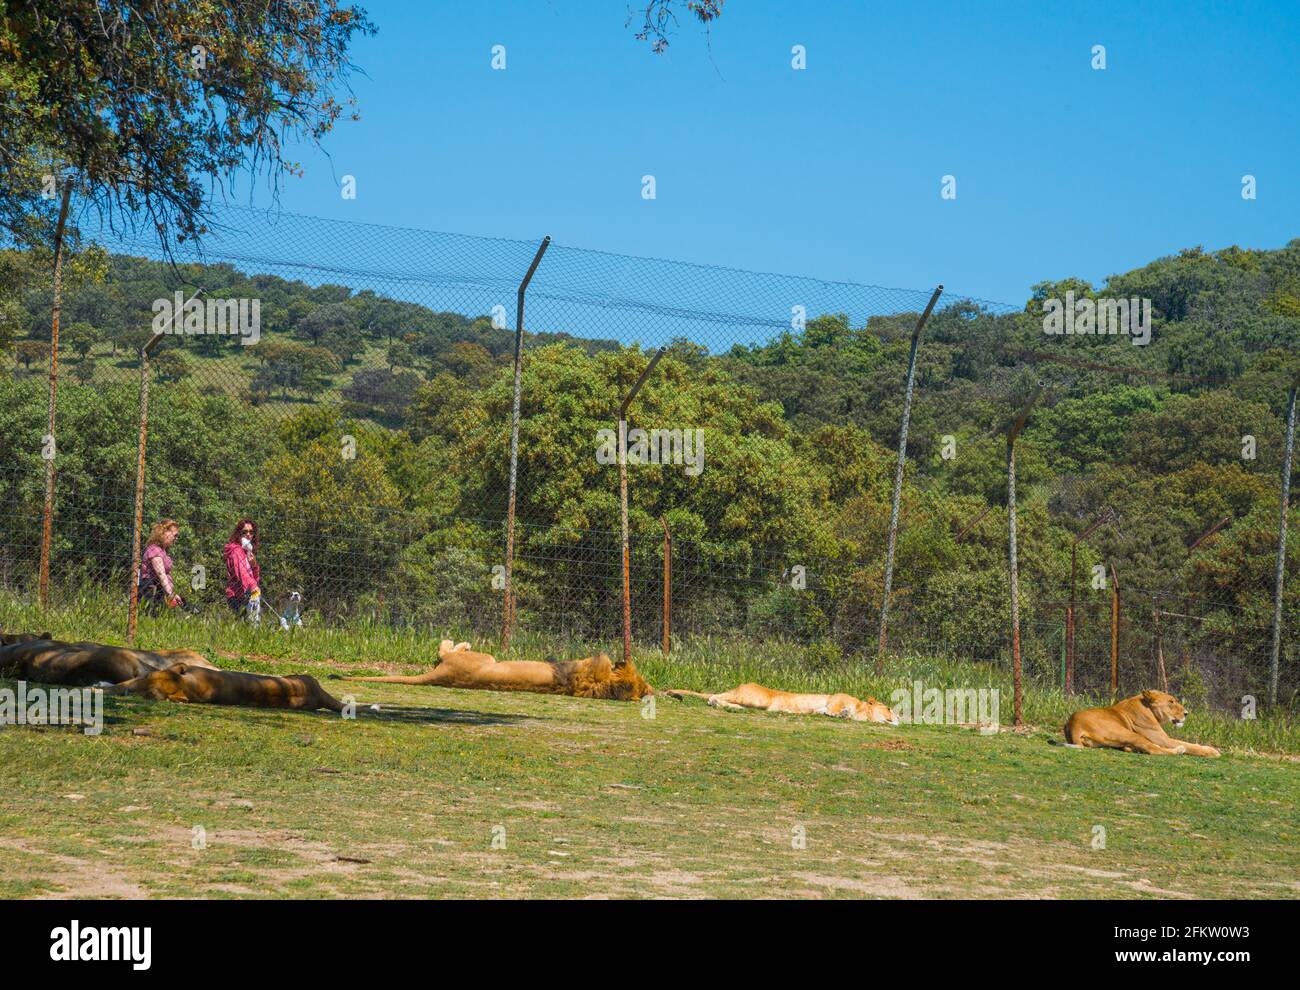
(50, 447)
(1159, 648)
(668, 585)
(1114, 632)
(908, 390)
(1280, 574)
(622, 500)
(138, 522)
(1015, 574)
(1158, 636)
(1072, 606)
(508, 600)
(1012, 429)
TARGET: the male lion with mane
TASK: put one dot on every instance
(591, 677)
(1134, 725)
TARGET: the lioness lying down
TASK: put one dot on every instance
(1133, 725)
(834, 705)
(8, 639)
(209, 686)
(591, 677)
(82, 664)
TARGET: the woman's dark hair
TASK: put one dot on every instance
(238, 534)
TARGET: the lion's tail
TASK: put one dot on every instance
(1069, 738)
(680, 693)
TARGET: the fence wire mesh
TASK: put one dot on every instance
(357, 405)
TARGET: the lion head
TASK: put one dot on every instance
(599, 677)
(1165, 707)
(12, 639)
(872, 710)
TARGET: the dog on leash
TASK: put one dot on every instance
(291, 617)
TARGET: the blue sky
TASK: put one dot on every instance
(833, 171)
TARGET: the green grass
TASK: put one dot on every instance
(617, 800)
(230, 371)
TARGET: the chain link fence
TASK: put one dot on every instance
(350, 388)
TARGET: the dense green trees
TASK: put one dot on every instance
(370, 437)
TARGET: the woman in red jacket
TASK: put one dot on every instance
(243, 587)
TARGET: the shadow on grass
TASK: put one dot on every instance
(126, 710)
(448, 716)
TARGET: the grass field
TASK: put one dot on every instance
(446, 793)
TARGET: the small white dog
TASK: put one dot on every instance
(291, 618)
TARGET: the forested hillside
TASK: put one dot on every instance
(799, 436)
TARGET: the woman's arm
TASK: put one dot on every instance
(245, 574)
(160, 573)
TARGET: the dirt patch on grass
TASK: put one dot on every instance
(890, 744)
(863, 886)
(80, 878)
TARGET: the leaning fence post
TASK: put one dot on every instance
(668, 584)
(1071, 608)
(47, 513)
(1012, 429)
(508, 602)
(1160, 648)
(898, 475)
(1114, 633)
(1158, 645)
(1015, 573)
(138, 524)
(622, 499)
(1280, 575)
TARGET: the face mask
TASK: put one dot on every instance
(246, 543)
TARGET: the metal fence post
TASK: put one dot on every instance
(1012, 429)
(1280, 575)
(138, 524)
(1072, 607)
(1014, 562)
(622, 499)
(47, 514)
(898, 475)
(508, 604)
(1114, 632)
(668, 585)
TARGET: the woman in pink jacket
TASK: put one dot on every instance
(243, 587)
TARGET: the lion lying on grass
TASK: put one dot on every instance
(591, 677)
(766, 699)
(209, 686)
(49, 661)
(1133, 725)
(8, 639)
(163, 675)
